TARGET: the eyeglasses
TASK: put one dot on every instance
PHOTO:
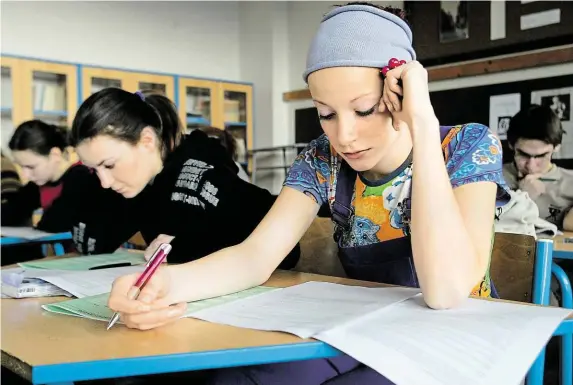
(525, 156)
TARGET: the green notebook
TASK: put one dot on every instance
(95, 307)
(87, 262)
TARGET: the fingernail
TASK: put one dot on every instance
(173, 312)
(144, 308)
(396, 107)
(145, 298)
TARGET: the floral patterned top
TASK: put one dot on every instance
(472, 154)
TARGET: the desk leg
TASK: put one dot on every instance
(566, 339)
(59, 249)
(541, 295)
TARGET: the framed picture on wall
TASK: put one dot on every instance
(453, 21)
(560, 104)
(453, 31)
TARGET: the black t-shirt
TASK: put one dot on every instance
(198, 198)
(60, 200)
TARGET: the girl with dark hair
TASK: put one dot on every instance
(41, 151)
(413, 202)
(228, 141)
(184, 191)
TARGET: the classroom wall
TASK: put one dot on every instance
(260, 42)
(188, 38)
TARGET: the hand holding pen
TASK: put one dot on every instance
(141, 299)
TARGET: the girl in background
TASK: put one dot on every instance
(228, 141)
(54, 182)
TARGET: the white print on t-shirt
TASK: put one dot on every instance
(182, 197)
(209, 193)
(78, 236)
(190, 178)
(191, 174)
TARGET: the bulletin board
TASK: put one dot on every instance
(452, 31)
(494, 104)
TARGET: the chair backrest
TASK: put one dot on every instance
(319, 252)
(512, 264)
(511, 268)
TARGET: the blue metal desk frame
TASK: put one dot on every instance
(65, 373)
(55, 238)
(543, 269)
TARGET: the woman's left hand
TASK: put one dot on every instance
(415, 104)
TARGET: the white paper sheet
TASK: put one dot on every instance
(501, 109)
(480, 343)
(83, 283)
(23, 232)
(305, 309)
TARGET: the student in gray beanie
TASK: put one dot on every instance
(413, 202)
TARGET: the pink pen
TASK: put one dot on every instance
(154, 262)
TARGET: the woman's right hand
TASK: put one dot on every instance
(152, 308)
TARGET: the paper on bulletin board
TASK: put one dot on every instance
(559, 100)
(501, 109)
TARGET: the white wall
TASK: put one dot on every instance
(187, 38)
(263, 61)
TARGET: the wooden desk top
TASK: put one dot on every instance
(33, 338)
(559, 242)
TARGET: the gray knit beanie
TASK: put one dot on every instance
(359, 36)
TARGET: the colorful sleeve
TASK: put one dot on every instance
(310, 172)
(473, 154)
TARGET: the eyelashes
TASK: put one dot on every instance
(367, 112)
(326, 117)
(362, 114)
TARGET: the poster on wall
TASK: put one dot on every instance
(501, 109)
(453, 21)
(559, 100)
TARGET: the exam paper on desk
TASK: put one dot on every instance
(83, 283)
(96, 308)
(306, 309)
(23, 232)
(480, 343)
(86, 262)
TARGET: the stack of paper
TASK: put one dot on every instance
(96, 307)
(16, 285)
(79, 276)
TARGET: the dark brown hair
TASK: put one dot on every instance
(535, 122)
(224, 137)
(38, 137)
(123, 115)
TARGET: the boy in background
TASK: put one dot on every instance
(534, 135)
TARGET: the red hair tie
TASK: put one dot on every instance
(392, 63)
